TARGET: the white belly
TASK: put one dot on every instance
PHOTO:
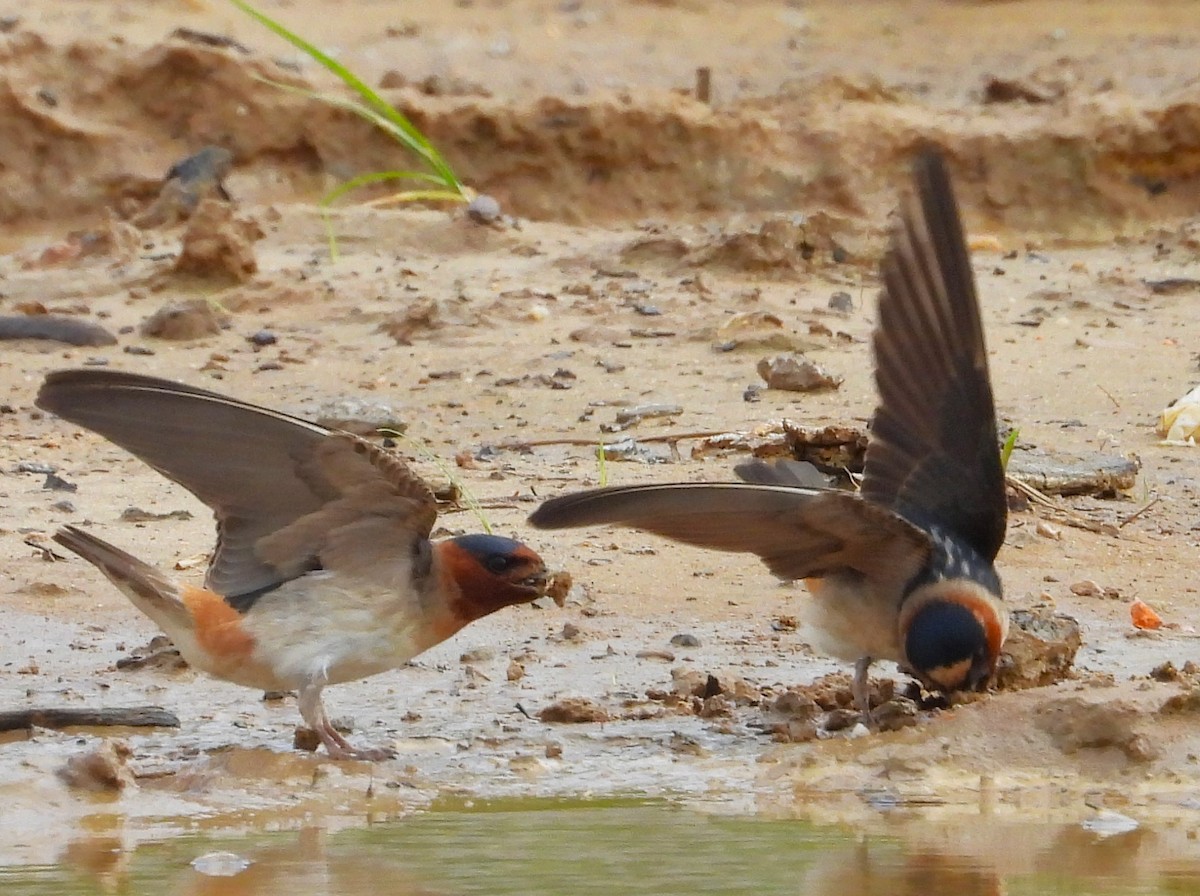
(846, 620)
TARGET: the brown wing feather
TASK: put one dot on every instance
(277, 484)
(933, 455)
(798, 532)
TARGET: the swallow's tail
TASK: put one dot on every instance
(150, 591)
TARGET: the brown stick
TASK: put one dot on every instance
(596, 442)
(115, 717)
(1133, 516)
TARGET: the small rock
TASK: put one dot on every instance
(515, 672)
(35, 466)
(570, 632)
(897, 713)
(55, 328)
(683, 639)
(158, 654)
(1106, 823)
(478, 655)
(306, 739)
(220, 864)
(796, 373)
(571, 710)
(1045, 530)
(840, 719)
(56, 483)
(262, 337)
(716, 705)
(191, 319)
(137, 515)
(665, 655)
(63, 507)
(841, 302)
(795, 706)
(360, 416)
(689, 682)
(483, 209)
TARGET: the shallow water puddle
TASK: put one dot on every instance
(606, 847)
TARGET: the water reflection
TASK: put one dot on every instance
(591, 848)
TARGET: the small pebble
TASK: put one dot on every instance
(220, 864)
(841, 302)
(56, 483)
(685, 640)
(478, 655)
(263, 337)
(483, 209)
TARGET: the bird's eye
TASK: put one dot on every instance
(498, 563)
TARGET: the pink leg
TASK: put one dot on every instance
(312, 710)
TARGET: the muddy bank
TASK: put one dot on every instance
(663, 249)
(1109, 158)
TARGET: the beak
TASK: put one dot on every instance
(537, 581)
(980, 673)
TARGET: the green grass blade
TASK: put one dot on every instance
(375, 177)
(374, 102)
(1007, 449)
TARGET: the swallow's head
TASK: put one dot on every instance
(493, 572)
(953, 631)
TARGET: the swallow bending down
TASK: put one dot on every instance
(323, 570)
(902, 570)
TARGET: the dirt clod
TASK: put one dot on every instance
(99, 770)
(1039, 650)
(182, 321)
(218, 245)
(574, 710)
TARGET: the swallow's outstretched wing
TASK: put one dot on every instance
(289, 496)
(933, 454)
(798, 532)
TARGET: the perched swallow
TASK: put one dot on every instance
(902, 570)
(323, 570)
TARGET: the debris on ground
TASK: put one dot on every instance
(1180, 421)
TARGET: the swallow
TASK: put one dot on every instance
(323, 570)
(903, 570)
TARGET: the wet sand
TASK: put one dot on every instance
(642, 220)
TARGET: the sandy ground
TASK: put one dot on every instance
(642, 221)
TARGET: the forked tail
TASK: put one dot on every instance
(153, 593)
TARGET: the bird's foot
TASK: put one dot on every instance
(362, 754)
(339, 748)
